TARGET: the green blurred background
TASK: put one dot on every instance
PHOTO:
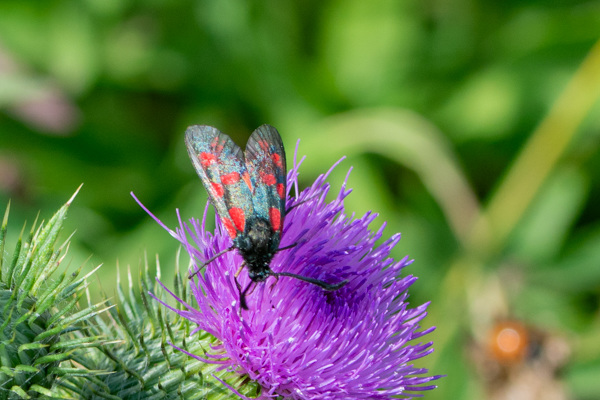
(472, 126)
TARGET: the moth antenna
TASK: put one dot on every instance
(203, 265)
(289, 246)
(300, 203)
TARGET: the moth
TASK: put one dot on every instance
(248, 191)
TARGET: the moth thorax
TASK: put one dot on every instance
(258, 243)
(259, 235)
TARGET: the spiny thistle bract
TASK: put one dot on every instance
(49, 348)
(39, 315)
(142, 363)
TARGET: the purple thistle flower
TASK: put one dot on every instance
(297, 340)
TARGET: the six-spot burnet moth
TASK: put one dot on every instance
(248, 191)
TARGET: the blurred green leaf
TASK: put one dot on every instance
(73, 50)
(485, 106)
(584, 380)
(578, 270)
(545, 227)
(361, 46)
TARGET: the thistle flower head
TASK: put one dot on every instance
(297, 340)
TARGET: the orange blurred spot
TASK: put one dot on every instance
(508, 342)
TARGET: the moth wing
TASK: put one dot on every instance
(266, 164)
(220, 165)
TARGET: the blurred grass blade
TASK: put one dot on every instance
(542, 151)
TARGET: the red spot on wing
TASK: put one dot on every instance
(280, 190)
(229, 227)
(263, 145)
(276, 159)
(231, 178)
(217, 144)
(218, 189)
(207, 159)
(268, 179)
(246, 178)
(275, 217)
(238, 217)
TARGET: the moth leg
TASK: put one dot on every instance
(248, 287)
(237, 273)
(243, 303)
(276, 280)
(203, 265)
